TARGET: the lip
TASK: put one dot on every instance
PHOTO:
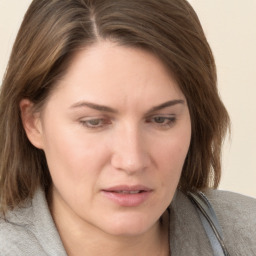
(128, 196)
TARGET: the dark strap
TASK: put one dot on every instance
(210, 222)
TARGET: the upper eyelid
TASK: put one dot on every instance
(94, 119)
(161, 115)
(169, 119)
(108, 118)
(102, 123)
(95, 116)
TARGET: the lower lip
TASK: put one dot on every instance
(127, 200)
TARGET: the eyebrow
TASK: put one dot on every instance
(166, 105)
(93, 106)
(112, 110)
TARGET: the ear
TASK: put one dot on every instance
(32, 123)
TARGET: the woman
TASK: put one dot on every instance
(110, 125)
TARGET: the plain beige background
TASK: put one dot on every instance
(230, 26)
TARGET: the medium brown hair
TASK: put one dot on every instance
(53, 30)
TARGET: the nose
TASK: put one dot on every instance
(130, 152)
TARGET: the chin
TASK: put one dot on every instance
(130, 225)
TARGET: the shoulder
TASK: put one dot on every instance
(30, 230)
(227, 196)
(187, 235)
(237, 216)
(15, 228)
(234, 205)
(19, 231)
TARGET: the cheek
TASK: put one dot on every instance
(75, 159)
(171, 156)
(72, 156)
(174, 149)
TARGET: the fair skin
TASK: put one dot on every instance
(115, 132)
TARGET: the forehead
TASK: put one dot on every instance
(106, 73)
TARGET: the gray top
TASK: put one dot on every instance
(30, 230)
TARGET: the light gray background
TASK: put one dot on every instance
(230, 26)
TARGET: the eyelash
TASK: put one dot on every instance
(160, 121)
(100, 122)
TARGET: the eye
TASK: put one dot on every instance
(95, 123)
(162, 121)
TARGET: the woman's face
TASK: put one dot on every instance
(115, 132)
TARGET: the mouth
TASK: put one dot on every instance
(128, 196)
(128, 192)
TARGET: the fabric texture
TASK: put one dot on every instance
(30, 230)
(237, 218)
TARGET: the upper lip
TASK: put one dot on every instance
(127, 188)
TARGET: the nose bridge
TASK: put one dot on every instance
(129, 153)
